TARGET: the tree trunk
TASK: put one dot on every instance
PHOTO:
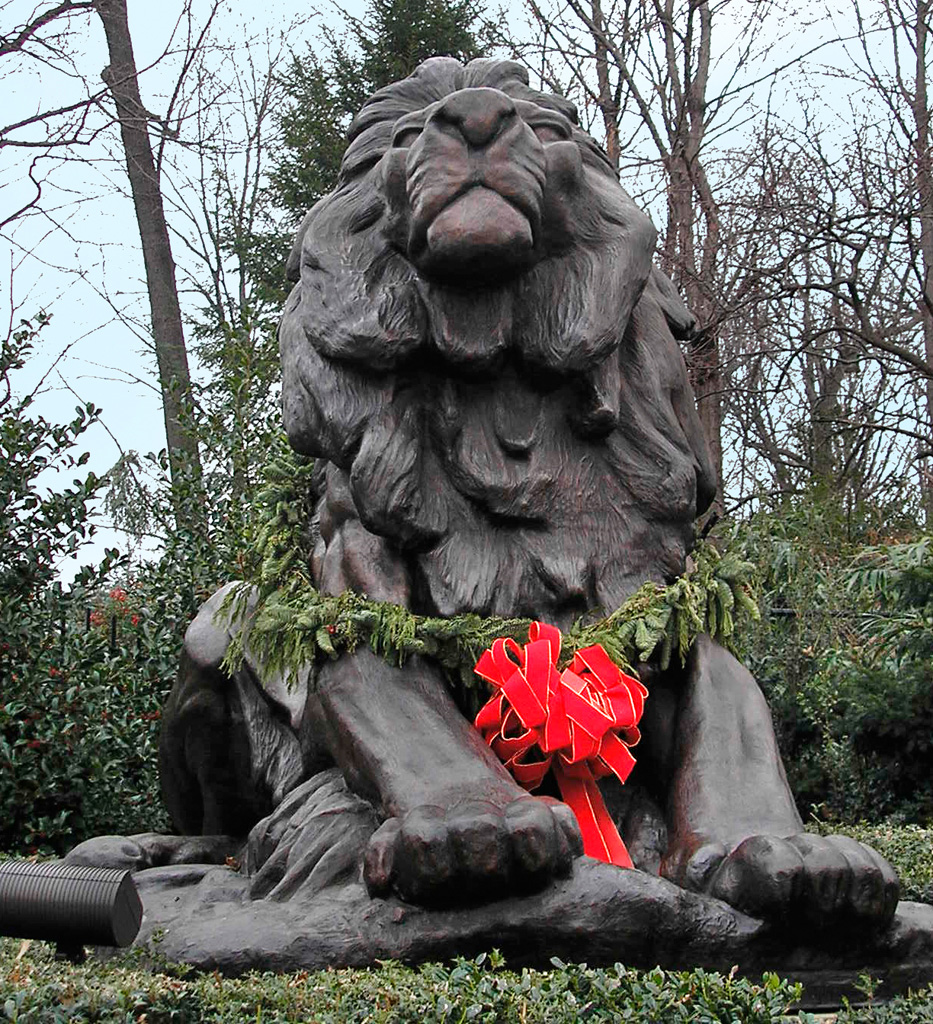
(693, 228)
(607, 106)
(921, 116)
(167, 333)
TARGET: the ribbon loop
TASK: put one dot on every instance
(578, 724)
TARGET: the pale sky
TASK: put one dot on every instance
(81, 261)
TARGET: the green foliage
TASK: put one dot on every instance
(843, 654)
(313, 127)
(81, 700)
(40, 525)
(664, 621)
(79, 725)
(41, 780)
(293, 623)
(397, 35)
(36, 989)
(914, 1008)
(895, 583)
(84, 670)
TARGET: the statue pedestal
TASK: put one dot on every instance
(202, 914)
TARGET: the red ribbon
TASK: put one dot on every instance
(578, 723)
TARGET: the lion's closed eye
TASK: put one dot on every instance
(405, 137)
(549, 133)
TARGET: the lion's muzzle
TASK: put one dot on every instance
(476, 227)
(473, 184)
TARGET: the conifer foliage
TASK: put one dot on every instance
(294, 624)
(325, 86)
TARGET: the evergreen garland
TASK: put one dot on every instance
(293, 624)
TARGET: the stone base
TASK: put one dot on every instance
(290, 897)
(202, 914)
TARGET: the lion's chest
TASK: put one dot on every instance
(540, 519)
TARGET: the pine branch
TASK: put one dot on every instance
(292, 624)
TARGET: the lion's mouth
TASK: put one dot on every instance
(479, 234)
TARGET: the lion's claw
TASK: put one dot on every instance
(479, 843)
(823, 881)
(432, 855)
(841, 874)
(379, 859)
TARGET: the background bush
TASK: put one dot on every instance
(843, 653)
(84, 670)
(79, 722)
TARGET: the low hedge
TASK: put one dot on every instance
(35, 988)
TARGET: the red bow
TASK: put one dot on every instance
(578, 723)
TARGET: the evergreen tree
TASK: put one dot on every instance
(324, 89)
(392, 39)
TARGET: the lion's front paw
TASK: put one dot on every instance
(473, 849)
(820, 880)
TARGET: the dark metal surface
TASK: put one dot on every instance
(68, 903)
(481, 354)
(484, 361)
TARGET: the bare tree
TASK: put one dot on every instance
(226, 234)
(122, 79)
(821, 356)
(643, 71)
(42, 44)
(50, 43)
(221, 209)
(804, 249)
(898, 85)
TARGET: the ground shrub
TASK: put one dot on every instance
(37, 989)
(914, 1008)
(55, 692)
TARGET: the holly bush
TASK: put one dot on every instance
(843, 654)
(79, 722)
(83, 670)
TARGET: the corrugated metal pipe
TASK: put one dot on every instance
(69, 904)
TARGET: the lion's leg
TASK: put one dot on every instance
(729, 782)
(230, 748)
(734, 829)
(198, 752)
(458, 827)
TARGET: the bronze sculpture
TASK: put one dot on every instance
(480, 351)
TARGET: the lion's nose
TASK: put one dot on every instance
(479, 114)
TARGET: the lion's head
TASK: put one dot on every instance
(478, 343)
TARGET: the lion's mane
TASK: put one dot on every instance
(530, 447)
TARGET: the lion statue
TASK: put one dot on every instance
(484, 360)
